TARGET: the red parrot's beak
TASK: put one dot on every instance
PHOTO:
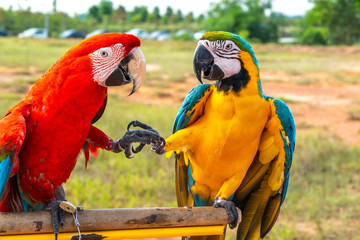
(132, 68)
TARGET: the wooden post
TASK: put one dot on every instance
(113, 219)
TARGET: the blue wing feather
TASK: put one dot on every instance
(288, 124)
(5, 170)
(181, 121)
(188, 104)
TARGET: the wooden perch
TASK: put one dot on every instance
(113, 219)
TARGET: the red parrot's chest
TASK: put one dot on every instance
(56, 132)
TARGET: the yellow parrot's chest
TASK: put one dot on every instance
(226, 138)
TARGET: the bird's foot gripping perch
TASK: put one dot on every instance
(146, 135)
(230, 209)
(58, 209)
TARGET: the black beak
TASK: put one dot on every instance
(204, 65)
(120, 76)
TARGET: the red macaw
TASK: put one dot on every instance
(41, 137)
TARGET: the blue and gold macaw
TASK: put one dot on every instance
(233, 144)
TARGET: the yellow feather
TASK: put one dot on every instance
(268, 154)
(250, 226)
(168, 154)
(253, 177)
(271, 214)
(276, 178)
(266, 141)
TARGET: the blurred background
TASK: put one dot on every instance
(309, 56)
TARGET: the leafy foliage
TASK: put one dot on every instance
(315, 36)
(235, 16)
(341, 18)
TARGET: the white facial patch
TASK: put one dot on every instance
(225, 53)
(105, 61)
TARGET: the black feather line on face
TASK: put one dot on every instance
(236, 82)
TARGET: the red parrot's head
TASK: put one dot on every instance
(115, 59)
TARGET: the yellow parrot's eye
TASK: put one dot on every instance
(228, 46)
(104, 53)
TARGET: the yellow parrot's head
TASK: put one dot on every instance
(226, 58)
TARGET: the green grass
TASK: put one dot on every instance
(24, 54)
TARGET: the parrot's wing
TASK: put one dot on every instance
(191, 109)
(99, 114)
(287, 133)
(12, 136)
(88, 147)
(263, 190)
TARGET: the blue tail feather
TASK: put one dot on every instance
(5, 170)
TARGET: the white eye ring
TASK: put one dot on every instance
(104, 53)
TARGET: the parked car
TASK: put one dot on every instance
(34, 33)
(96, 32)
(3, 33)
(71, 33)
(160, 35)
(140, 33)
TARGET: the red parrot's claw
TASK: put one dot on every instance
(147, 135)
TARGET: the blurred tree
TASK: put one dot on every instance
(155, 16)
(156, 13)
(340, 17)
(259, 26)
(9, 21)
(60, 21)
(54, 6)
(315, 36)
(139, 14)
(94, 13)
(189, 18)
(179, 16)
(169, 11)
(106, 9)
(238, 15)
(200, 19)
(167, 17)
(226, 15)
(120, 14)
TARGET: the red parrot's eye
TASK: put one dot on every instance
(104, 53)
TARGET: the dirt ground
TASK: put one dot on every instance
(313, 105)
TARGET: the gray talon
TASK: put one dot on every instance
(230, 209)
(146, 135)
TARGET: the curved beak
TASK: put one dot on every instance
(132, 68)
(204, 66)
